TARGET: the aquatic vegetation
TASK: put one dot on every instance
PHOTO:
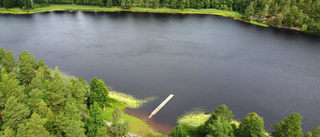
(194, 118)
(131, 101)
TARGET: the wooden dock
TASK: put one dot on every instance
(155, 111)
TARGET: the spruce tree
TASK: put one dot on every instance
(94, 121)
(97, 86)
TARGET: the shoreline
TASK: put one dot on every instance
(87, 8)
(72, 8)
(163, 128)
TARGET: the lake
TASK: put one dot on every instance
(204, 60)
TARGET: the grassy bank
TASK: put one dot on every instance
(136, 125)
(54, 7)
(122, 101)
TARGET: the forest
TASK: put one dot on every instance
(293, 14)
(221, 124)
(36, 101)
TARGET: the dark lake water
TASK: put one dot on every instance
(204, 60)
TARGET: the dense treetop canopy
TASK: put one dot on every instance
(35, 101)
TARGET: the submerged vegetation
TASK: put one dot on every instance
(131, 101)
(193, 118)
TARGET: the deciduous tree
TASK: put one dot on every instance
(290, 126)
(251, 126)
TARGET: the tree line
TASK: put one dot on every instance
(34, 101)
(297, 14)
(220, 124)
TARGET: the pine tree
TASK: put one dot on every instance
(12, 88)
(36, 83)
(27, 67)
(75, 129)
(15, 113)
(290, 126)
(8, 132)
(22, 131)
(78, 93)
(9, 62)
(57, 101)
(46, 112)
(59, 93)
(102, 132)
(207, 3)
(40, 63)
(109, 3)
(35, 126)
(61, 123)
(265, 11)
(250, 10)
(72, 112)
(2, 54)
(35, 99)
(251, 126)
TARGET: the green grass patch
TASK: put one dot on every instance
(259, 24)
(131, 101)
(136, 125)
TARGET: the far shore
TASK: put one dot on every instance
(71, 8)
